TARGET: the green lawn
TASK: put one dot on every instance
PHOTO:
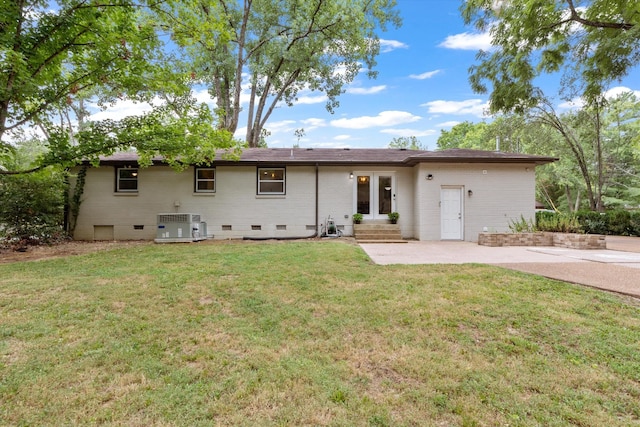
(307, 333)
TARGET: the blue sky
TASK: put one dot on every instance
(422, 87)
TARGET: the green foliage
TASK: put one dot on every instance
(32, 206)
(615, 222)
(278, 48)
(357, 218)
(393, 217)
(55, 57)
(592, 222)
(557, 222)
(593, 43)
(522, 225)
(74, 200)
(466, 135)
(597, 147)
(409, 143)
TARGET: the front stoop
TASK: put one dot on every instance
(371, 232)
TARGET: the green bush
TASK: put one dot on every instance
(592, 222)
(634, 223)
(557, 222)
(31, 208)
(618, 222)
(522, 226)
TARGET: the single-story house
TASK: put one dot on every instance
(287, 193)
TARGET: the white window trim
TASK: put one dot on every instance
(197, 180)
(118, 179)
(283, 181)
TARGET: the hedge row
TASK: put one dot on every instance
(617, 222)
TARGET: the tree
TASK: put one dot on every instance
(56, 55)
(621, 138)
(595, 147)
(32, 205)
(277, 49)
(465, 135)
(594, 42)
(410, 143)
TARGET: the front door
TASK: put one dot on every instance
(374, 194)
(451, 213)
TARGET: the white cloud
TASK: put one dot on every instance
(313, 123)
(409, 132)
(468, 41)
(385, 118)
(614, 92)
(424, 76)
(619, 90)
(202, 95)
(121, 109)
(366, 90)
(475, 107)
(390, 45)
(570, 105)
(310, 99)
(448, 124)
(342, 137)
(281, 126)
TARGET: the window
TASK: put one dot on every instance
(205, 180)
(127, 179)
(271, 180)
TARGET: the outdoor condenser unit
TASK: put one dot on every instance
(180, 227)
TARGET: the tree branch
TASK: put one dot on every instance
(575, 16)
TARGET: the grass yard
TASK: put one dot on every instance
(307, 333)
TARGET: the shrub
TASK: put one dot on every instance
(558, 222)
(634, 223)
(618, 222)
(522, 226)
(32, 208)
(592, 222)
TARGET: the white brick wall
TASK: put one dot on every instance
(500, 195)
(235, 202)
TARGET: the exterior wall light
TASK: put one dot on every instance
(350, 175)
(430, 177)
(470, 193)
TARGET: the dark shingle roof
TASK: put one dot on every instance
(364, 156)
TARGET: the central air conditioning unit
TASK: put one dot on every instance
(180, 227)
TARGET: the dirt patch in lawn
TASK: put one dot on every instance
(33, 253)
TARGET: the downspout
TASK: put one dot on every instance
(315, 234)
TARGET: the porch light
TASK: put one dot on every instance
(429, 177)
(470, 193)
(350, 175)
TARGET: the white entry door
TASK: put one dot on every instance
(451, 213)
(375, 194)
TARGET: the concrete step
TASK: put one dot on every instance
(377, 232)
(375, 226)
(388, 236)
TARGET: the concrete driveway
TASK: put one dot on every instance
(615, 269)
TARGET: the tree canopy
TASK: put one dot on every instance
(407, 142)
(270, 51)
(593, 42)
(598, 147)
(54, 56)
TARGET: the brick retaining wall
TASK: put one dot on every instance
(565, 240)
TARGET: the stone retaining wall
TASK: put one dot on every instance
(564, 240)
